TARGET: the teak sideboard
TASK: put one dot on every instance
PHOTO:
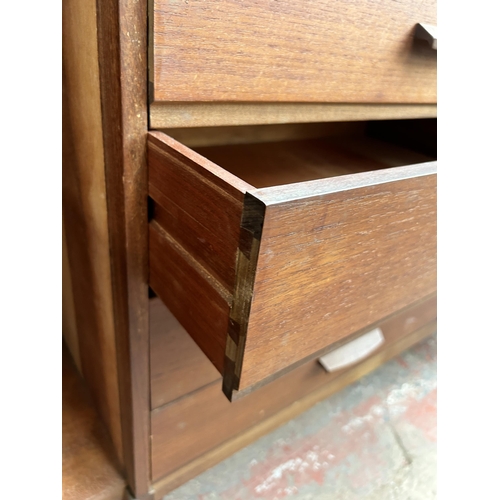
(249, 213)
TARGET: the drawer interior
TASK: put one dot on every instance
(348, 149)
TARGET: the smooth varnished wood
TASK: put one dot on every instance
(122, 56)
(215, 114)
(69, 328)
(292, 51)
(190, 427)
(190, 293)
(178, 366)
(335, 261)
(195, 137)
(90, 469)
(85, 213)
(200, 204)
(193, 238)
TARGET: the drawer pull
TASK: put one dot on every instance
(428, 33)
(353, 351)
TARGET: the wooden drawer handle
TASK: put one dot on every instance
(428, 33)
(353, 351)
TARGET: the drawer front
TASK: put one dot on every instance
(199, 421)
(328, 264)
(295, 51)
(313, 262)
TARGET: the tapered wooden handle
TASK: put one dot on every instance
(353, 351)
(428, 33)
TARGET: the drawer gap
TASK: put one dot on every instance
(267, 164)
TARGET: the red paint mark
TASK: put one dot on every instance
(423, 415)
(427, 349)
(350, 440)
(402, 362)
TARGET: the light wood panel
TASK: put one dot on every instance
(199, 422)
(319, 51)
(85, 211)
(215, 114)
(90, 469)
(69, 328)
(178, 366)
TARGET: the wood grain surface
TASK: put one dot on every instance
(90, 469)
(193, 239)
(251, 434)
(86, 214)
(191, 426)
(195, 137)
(122, 56)
(178, 365)
(332, 263)
(200, 205)
(282, 162)
(69, 328)
(321, 51)
(216, 114)
(189, 291)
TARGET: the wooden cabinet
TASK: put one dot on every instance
(267, 199)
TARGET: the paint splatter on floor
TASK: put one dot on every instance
(375, 440)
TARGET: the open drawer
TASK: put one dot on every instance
(269, 253)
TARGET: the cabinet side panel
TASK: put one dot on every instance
(122, 42)
(85, 211)
(69, 328)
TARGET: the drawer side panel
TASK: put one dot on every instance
(189, 293)
(193, 240)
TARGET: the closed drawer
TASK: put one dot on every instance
(272, 252)
(295, 51)
(203, 419)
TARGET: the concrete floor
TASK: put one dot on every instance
(375, 440)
